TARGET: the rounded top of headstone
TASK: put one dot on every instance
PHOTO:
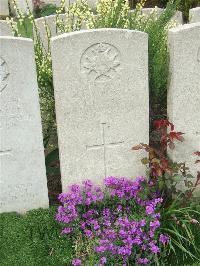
(16, 39)
(185, 27)
(195, 8)
(126, 33)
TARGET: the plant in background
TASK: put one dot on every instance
(165, 173)
(117, 225)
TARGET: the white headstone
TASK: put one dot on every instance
(52, 2)
(23, 183)
(177, 18)
(102, 98)
(22, 5)
(91, 3)
(149, 11)
(184, 90)
(5, 28)
(48, 25)
(194, 15)
(4, 10)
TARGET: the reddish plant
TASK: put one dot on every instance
(161, 169)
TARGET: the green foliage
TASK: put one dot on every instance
(186, 5)
(33, 239)
(182, 225)
(46, 10)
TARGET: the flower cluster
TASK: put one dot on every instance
(123, 224)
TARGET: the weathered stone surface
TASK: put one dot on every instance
(23, 183)
(194, 15)
(91, 3)
(101, 92)
(48, 26)
(4, 10)
(5, 28)
(52, 2)
(22, 5)
(149, 11)
(177, 18)
(184, 90)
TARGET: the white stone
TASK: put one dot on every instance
(101, 92)
(194, 15)
(91, 3)
(23, 183)
(177, 18)
(52, 2)
(22, 6)
(184, 91)
(4, 10)
(5, 28)
(47, 25)
(150, 11)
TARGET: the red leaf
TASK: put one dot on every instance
(197, 153)
(163, 123)
(175, 136)
(137, 147)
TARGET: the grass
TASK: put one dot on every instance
(33, 239)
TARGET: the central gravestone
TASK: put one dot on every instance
(102, 97)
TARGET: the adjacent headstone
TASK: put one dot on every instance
(178, 18)
(184, 91)
(49, 27)
(194, 15)
(91, 3)
(149, 11)
(4, 10)
(23, 183)
(102, 97)
(5, 28)
(146, 12)
(22, 6)
(52, 2)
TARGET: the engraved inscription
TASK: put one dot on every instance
(100, 62)
(19, 192)
(5, 152)
(104, 146)
(4, 73)
(11, 113)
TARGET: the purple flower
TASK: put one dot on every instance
(154, 249)
(155, 224)
(149, 209)
(144, 261)
(164, 239)
(76, 262)
(103, 260)
(67, 230)
(111, 218)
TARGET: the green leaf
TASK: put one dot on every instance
(52, 157)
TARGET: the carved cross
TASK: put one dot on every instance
(5, 152)
(104, 146)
